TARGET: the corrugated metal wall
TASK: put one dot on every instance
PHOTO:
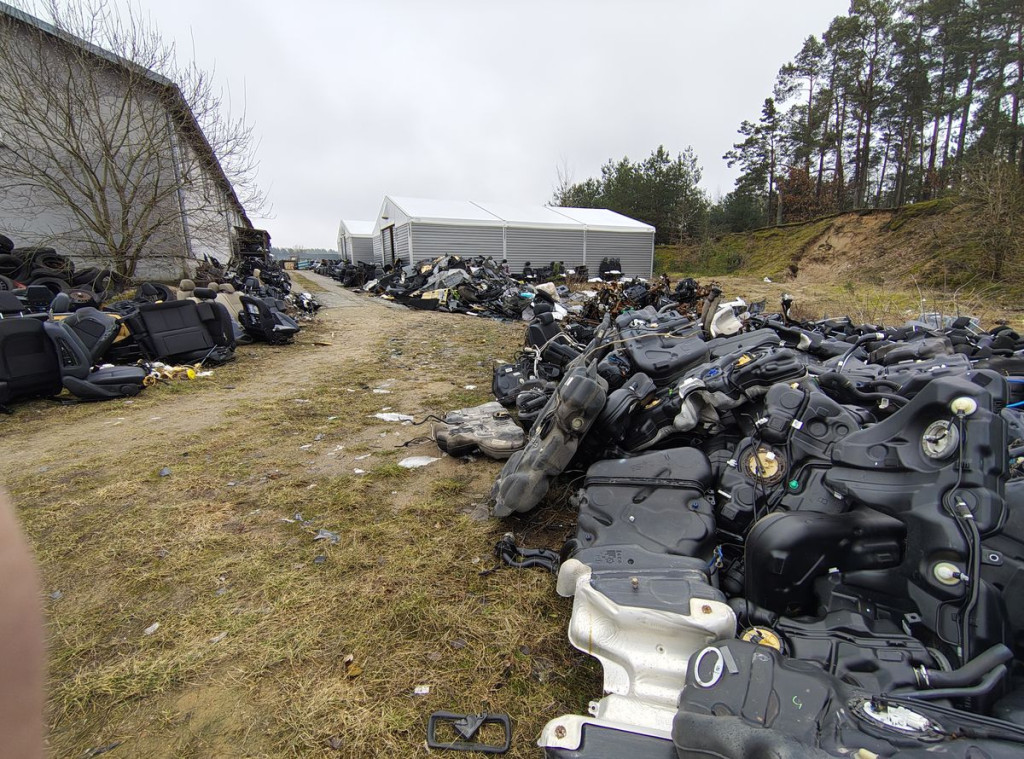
(432, 240)
(541, 247)
(634, 249)
(361, 249)
(402, 243)
(378, 249)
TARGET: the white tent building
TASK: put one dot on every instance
(420, 229)
(355, 241)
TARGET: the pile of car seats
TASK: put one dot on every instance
(40, 356)
(49, 342)
(792, 538)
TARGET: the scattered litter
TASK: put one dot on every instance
(458, 643)
(335, 743)
(151, 629)
(456, 732)
(301, 400)
(56, 595)
(331, 418)
(305, 447)
(415, 462)
(218, 637)
(102, 749)
(320, 559)
(351, 668)
(393, 417)
(318, 438)
(364, 456)
(322, 534)
(165, 471)
(470, 387)
(421, 690)
(380, 391)
(359, 471)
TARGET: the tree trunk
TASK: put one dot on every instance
(968, 97)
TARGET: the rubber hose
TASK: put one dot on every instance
(984, 687)
(973, 670)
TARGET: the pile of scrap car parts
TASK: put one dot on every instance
(481, 287)
(793, 538)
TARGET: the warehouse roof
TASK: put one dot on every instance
(357, 228)
(427, 210)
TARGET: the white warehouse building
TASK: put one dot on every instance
(421, 229)
(355, 241)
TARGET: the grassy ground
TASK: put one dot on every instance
(192, 614)
(271, 643)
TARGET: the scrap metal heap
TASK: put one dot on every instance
(793, 538)
(481, 287)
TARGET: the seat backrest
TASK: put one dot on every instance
(29, 366)
(230, 299)
(96, 329)
(72, 354)
(38, 297)
(10, 304)
(171, 329)
(217, 321)
(542, 330)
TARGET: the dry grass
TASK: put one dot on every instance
(257, 621)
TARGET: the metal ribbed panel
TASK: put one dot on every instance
(378, 250)
(361, 249)
(402, 243)
(432, 240)
(634, 250)
(541, 247)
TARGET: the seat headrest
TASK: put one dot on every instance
(147, 289)
(186, 285)
(227, 288)
(213, 286)
(204, 293)
(61, 303)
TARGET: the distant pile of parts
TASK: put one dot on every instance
(793, 538)
(51, 341)
(46, 269)
(480, 287)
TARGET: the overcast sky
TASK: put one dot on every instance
(480, 99)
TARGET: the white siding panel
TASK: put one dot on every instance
(378, 249)
(361, 249)
(635, 251)
(432, 240)
(402, 243)
(541, 247)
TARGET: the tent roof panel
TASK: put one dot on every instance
(602, 217)
(481, 213)
(428, 209)
(358, 228)
(530, 216)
